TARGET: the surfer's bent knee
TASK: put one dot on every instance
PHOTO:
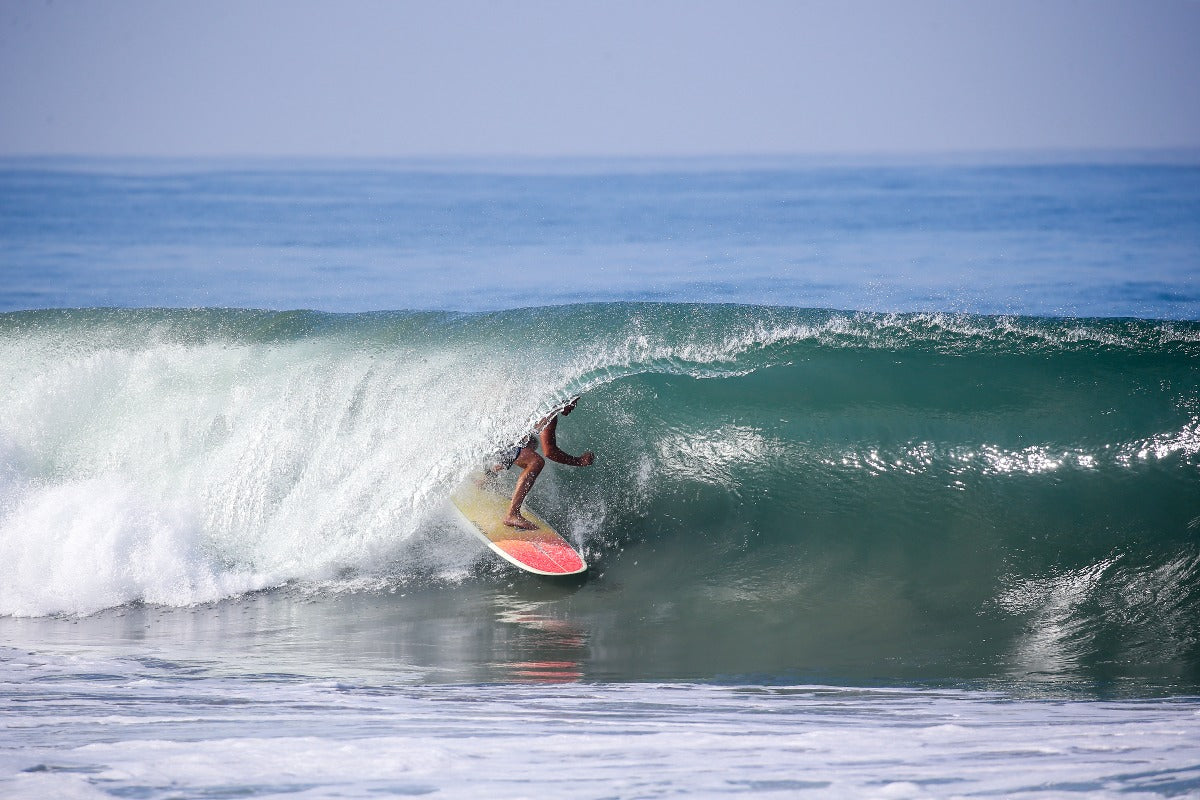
(529, 459)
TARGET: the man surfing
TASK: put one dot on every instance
(531, 462)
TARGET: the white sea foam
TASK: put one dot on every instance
(178, 474)
(85, 545)
(211, 735)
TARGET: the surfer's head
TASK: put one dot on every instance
(570, 406)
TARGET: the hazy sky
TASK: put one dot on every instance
(284, 77)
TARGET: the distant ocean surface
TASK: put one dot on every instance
(1058, 239)
(897, 490)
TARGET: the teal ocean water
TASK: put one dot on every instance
(897, 477)
(915, 497)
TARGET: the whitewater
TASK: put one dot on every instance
(883, 504)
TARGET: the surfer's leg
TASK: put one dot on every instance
(531, 463)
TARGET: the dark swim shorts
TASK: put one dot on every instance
(507, 460)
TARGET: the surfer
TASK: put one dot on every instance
(531, 462)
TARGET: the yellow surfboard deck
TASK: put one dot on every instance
(542, 551)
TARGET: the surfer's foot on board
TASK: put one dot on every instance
(519, 522)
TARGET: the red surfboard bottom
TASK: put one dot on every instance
(545, 553)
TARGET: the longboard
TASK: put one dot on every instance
(542, 551)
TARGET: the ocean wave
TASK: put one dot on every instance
(182, 456)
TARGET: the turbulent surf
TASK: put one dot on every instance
(1024, 490)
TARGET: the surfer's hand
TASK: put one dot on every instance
(587, 458)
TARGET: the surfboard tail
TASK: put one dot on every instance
(542, 551)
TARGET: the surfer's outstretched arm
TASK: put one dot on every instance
(554, 453)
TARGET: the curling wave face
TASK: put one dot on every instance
(1038, 477)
